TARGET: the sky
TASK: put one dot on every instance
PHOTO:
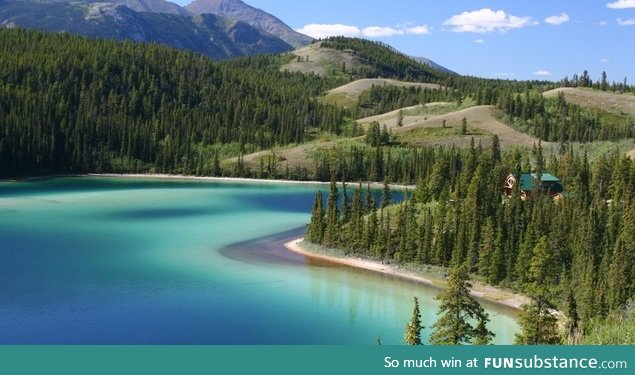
(509, 39)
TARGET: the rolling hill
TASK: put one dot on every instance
(623, 104)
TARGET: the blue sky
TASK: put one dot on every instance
(519, 39)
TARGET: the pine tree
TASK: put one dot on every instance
(332, 227)
(400, 118)
(464, 126)
(315, 230)
(538, 325)
(456, 309)
(414, 327)
(482, 336)
(386, 196)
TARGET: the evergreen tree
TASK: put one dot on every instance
(456, 309)
(386, 196)
(538, 325)
(464, 126)
(332, 225)
(315, 230)
(414, 327)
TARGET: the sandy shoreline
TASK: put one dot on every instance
(486, 292)
(205, 178)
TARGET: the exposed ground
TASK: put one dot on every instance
(428, 129)
(623, 104)
(320, 61)
(631, 154)
(347, 95)
(419, 130)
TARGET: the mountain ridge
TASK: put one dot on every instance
(255, 17)
(214, 36)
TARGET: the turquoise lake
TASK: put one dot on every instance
(93, 260)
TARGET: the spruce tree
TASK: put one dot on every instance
(456, 309)
(386, 196)
(315, 230)
(538, 325)
(332, 226)
(414, 327)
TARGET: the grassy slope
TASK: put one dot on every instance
(617, 104)
(348, 94)
(623, 104)
(422, 127)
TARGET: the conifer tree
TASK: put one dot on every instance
(315, 230)
(538, 325)
(414, 327)
(386, 196)
(332, 225)
(456, 309)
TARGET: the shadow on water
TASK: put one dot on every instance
(161, 213)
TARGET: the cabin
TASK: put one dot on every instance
(551, 185)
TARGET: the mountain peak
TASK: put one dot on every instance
(255, 17)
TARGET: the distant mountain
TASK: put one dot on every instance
(152, 6)
(257, 18)
(432, 64)
(215, 36)
(422, 60)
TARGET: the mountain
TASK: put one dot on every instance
(257, 18)
(152, 6)
(433, 65)
(215, 36)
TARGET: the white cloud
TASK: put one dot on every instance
(604, 60)
(602, 23)
(486, 21)
(418, 30)
(543, 73)
(379, 31)
(557, 20)
(317, 30)
(628, 22)
(479, 41)
(621, 4)
(325, 30)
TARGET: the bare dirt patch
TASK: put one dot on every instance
(480, 117)
(623, 104)
(317, 60)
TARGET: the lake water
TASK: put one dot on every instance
(140, 261)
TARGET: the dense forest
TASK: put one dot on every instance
(574, 254)
(71, 104)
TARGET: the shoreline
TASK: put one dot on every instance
(164, 176)
(479, 290)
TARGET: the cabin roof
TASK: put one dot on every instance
(527, 180)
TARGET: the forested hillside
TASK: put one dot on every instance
(574, 254)
(70, 104)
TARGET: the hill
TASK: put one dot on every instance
(355, 58)
(482, 124)
(623, 104)
(347, 95)
(211, 35)
(257, 18)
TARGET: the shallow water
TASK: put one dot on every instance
(138, 261)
